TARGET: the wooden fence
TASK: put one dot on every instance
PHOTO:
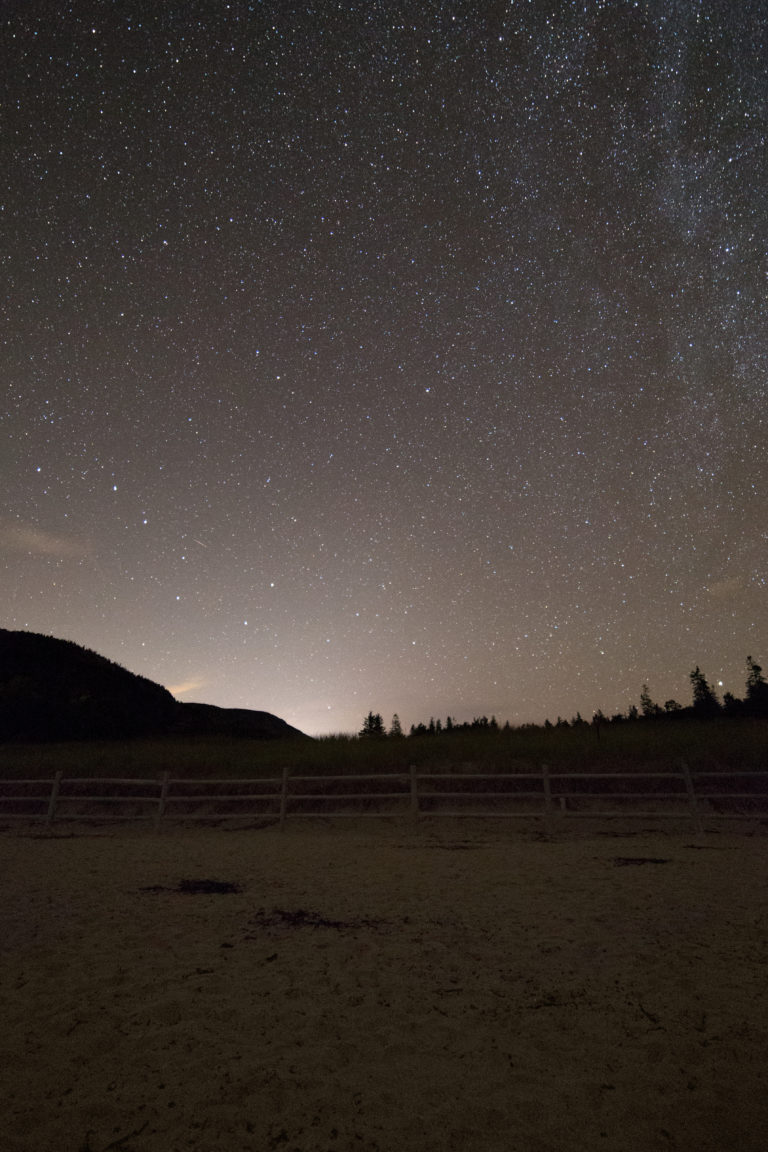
(550, 797)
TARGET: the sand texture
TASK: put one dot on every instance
(383, 989)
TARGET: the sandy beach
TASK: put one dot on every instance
(382, 988)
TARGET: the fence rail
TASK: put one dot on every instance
(547, 796)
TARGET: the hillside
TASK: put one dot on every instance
(53, 689)
(209, 720)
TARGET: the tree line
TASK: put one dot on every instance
(705, 705)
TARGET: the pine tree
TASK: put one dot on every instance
(598, 722)
(705, 702)
(757, 689)
(373, 725)
(647, 706)
(731, 706)
(395, 728)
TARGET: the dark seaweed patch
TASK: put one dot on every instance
(621, 860)
(197, 888)
(302, 918)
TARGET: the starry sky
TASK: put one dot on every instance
(388, 355)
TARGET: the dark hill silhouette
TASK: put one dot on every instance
(208, 720)
(53, 689)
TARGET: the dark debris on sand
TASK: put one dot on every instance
(301, 918)
(198, 888)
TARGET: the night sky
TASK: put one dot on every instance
(401, 356)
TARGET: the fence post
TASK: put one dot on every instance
(695, 812)
(414, 793)
(284, 798)
(54, 797)
(164, 782)
(547, 799)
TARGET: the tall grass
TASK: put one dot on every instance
(718, 744)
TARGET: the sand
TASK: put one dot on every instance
(383, 988)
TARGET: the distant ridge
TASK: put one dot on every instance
(209, 720)
(53, 689)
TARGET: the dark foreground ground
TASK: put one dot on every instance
(452, 987)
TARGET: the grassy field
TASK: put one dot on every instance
(714, 745)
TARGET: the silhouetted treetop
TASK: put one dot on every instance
(705, 702)
(757, 689)
(373, 725)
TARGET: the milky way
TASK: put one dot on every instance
(395, 356)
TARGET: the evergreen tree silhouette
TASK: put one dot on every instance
(373, 725)
(757, 689)
(705, 702)
(647, 706)
(732, 706)
(395, 728)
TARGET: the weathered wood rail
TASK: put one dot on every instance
(546, 796)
